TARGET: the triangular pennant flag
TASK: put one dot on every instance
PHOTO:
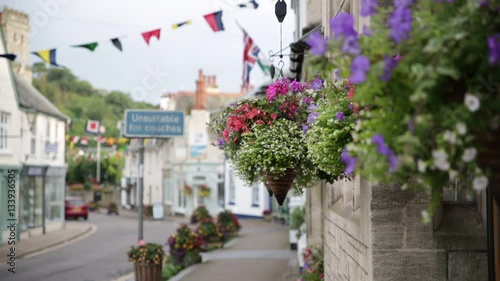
(215, 21)
(48, 56)
(251, 4)
(10, 57)
(177, 25)
(89, 46)
(264, 67)
(153, 33)
(116, 42)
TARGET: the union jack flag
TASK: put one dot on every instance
(250, 57)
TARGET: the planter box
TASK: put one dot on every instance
(147, 272)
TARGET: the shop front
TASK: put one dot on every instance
(6, 173)
(31, 197)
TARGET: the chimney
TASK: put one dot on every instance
(200, 91)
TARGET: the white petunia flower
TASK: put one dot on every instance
(472, 102)
(453, 175)
(441, 159)
(450, 137)
(469, 154)
(480, 183)
(421, 166)
(461, 128)
(425, 216)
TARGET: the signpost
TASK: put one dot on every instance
(150, 124)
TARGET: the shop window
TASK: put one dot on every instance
(4, 130)
(255, 195)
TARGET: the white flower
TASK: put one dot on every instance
(441, 159)
(425, 216)
(453, 174)
(421, 166)
(472, 102)
(469, 154)
(480, 183)
(461, 128)
(450, 137)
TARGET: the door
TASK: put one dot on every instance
(180, 198)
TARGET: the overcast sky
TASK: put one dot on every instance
(176, 57)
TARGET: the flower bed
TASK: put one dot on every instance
(184, 247)
(211, 233)
(199, 214)
(313, 269)
(227, 224)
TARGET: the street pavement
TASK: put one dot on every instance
(101, 256)
(260, 253)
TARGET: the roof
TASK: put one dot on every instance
(30, 97)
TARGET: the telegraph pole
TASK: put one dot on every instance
(140, 187)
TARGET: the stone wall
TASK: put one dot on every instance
(376, 233)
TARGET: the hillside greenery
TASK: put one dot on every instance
(81, 101)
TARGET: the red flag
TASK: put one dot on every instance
(153, 33)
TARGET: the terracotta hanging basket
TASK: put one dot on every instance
(281, 185)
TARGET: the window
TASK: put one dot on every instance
(457, 193)
(255, 195)
(33, 140)
(232, 194)
(4, 130)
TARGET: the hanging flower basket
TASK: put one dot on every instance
(187, 190)
(281, 185)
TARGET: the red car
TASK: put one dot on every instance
(75, 207)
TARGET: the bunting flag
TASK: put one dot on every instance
(265, 67)
(92, 127)
(215, 21)
(10, 57)
(177, 25)
(250, 56)
(153, 33)
(251, 4)
(48, 56)
(89, 46)
(116, 42)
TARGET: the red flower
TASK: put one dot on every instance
(274, 116)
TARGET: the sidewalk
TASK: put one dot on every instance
(261, 252)
(35, 244)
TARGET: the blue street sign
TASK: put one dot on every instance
(153, 123)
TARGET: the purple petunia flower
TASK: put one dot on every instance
(307, 100)
(317, 84)
(400, 23)
(397, 57)
(349, 161)
(383, 149)
(220, 142)
(271, 92)
(351, 106)
(305, 128)
(296, 86)
(359, 67)
(312, 116)
(389, 65)
(337, 74)
(319, 45)
(368, 7)
(494, 48)
(340, 116)
(351, 45)
(312, 107)
(342, 25)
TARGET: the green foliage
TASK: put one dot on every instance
(328, 135)
(82, 169)
(169, 270)
(81, 101)
(438, 103)
(297, 217)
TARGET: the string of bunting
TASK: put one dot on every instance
(214, 20)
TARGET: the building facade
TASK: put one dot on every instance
(373, 232)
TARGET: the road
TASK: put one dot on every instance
(99, 257)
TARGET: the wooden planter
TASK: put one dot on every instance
(147, 272)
